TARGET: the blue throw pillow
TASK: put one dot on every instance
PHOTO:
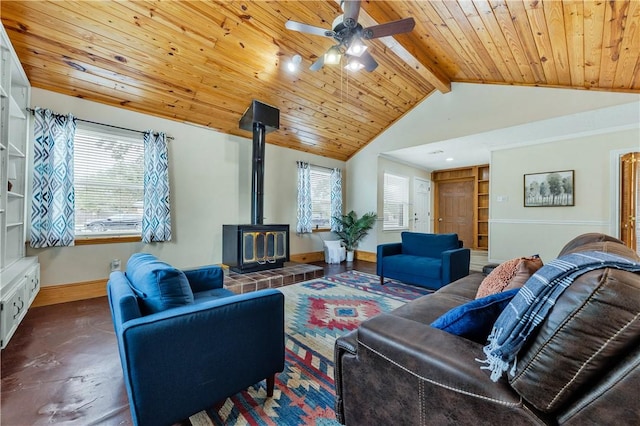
(475, 319)
(158, 285)
(205, 278)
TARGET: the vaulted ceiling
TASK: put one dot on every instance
(203, 62)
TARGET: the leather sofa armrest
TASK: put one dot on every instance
(346, 345)
(383, 250)
(437, 357)
(455, 264)
(205, 278)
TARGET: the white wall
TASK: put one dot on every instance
(477, 110)
(484, 113)
(210, 178)
(388, 166)
(516, 230)
(210, 171)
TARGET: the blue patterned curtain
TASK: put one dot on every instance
(336, 197)
(304, 198)
(156, 220)
(53, 203)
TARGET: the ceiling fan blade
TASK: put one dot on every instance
(388, 29)
(317, 65)
(351, 10)
(309, 29)
(367, 60)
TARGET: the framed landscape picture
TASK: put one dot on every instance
(549, 189)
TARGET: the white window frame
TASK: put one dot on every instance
(120, 215)
(396, 198)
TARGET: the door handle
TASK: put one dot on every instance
(439, 219)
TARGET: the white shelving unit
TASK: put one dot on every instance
(19, 275)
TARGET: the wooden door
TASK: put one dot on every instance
(629, 198)
(455, 210)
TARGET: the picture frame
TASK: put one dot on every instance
(549, 189)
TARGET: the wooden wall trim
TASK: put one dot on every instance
(108, 240)
(54, 294)
(366, 256)
(560, 222)
(315, 256)
(318, 256)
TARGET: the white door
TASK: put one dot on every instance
(421, 205)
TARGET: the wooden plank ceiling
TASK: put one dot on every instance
(203, 62)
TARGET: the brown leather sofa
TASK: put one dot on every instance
(581, 366)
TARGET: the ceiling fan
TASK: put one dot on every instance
(349, 35)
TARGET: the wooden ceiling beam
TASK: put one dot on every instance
(432, 74)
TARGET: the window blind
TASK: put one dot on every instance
(396, 202)
(108, 168)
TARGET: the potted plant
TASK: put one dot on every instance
(352, 229)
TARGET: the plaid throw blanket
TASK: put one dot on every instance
(535, 299)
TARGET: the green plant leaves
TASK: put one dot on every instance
(353, 229)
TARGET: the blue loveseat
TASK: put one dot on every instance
(426, 260)
(186, 343)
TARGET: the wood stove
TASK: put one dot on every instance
(256, 247)
(250, 248)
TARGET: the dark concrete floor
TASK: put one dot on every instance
(62, 365)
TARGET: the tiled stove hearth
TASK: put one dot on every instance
(290, 273)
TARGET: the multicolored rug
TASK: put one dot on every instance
(316, 313)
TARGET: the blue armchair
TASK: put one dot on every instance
(186, 343)
(426, 260)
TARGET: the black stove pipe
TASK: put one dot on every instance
(257, 171)
(261, 119)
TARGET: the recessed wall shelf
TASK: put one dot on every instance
(482, 207)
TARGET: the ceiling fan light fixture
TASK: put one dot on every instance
(356, 48)
(349, 33)
(294, 63)
(333, 55)
(354, 65)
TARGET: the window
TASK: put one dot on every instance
(320, 198)
(108, 180)
(396, 202)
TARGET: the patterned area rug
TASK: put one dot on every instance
(316, 313)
